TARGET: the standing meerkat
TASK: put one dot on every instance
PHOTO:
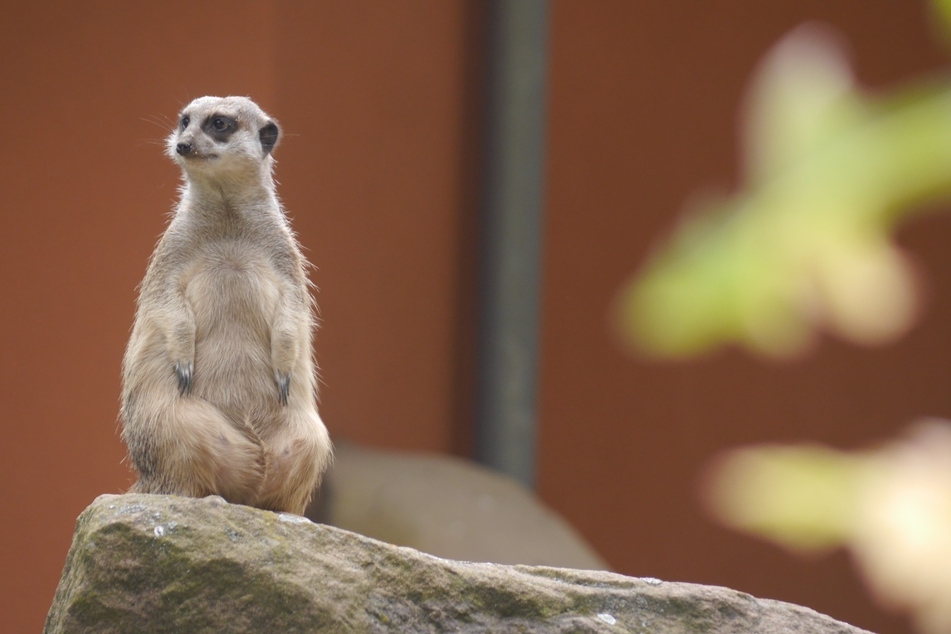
(219, 384)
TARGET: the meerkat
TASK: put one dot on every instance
(219, 384)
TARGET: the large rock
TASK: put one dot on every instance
(142, 563)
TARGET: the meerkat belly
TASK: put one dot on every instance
(234, 296)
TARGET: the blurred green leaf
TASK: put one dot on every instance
(804, 498)
(889, 506)
(806, 244)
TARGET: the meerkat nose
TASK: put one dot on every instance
(184, 148)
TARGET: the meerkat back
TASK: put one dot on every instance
(219, 384)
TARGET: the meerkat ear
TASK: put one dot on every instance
(269, 135)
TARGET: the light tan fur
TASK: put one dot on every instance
(219, 385)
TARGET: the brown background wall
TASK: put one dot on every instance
(379, 168)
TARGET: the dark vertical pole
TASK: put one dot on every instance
(511, 240)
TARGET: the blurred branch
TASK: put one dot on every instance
(806, 244)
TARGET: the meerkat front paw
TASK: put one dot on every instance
(283, 386)
(185, 371)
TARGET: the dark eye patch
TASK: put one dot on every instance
(185, 121)
(219, 127)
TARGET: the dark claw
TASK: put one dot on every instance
(283, 387)
(184, 373)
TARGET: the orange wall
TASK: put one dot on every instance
(380, 181)
(379, 170)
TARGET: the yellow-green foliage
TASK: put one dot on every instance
(806, 244)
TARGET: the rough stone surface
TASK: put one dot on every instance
(142, 563)
(448, 507)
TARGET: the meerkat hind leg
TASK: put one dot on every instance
(297, 458)
(204, 454)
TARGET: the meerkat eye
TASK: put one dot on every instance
(219, 127)
(185, 121)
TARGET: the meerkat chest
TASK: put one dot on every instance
(232, 282)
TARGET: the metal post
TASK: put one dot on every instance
(511, 240)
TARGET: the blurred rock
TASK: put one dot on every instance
(447, 507)
(150, 563)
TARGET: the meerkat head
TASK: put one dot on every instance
(223, 136)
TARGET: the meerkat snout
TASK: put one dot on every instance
(219, 384)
